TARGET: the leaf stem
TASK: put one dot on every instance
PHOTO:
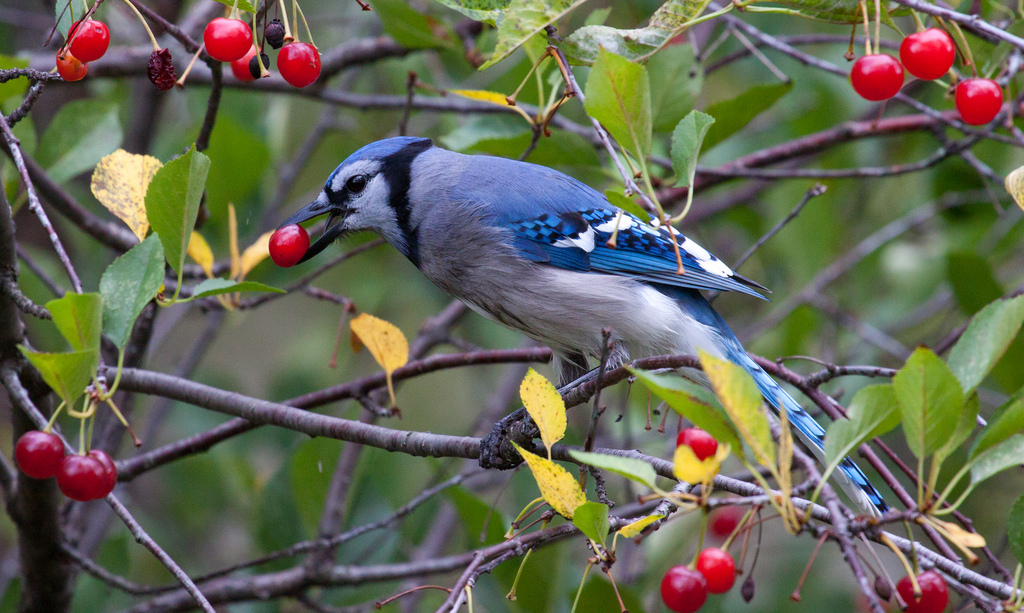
(152, 39)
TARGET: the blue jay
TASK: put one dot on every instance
(527, 246)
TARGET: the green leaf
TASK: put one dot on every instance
(488, 11)
(81, 133)
(212, 287)
(985, 340)
(631, 468)
(238, 159)
(172, 203)
(407, 26)
(965, 424)
(65, 373)
(872, 412)
(1009, 422)
(523, 19)
(930, 400)
(128, 284)
(1015, 529)
(835, 11)
(311, 469)
(997, 458)
(14, 87)
(673, 17)
(742, 401)
(676, 80)
(79, 317)
(974, 285)
(592, 520)
(65, 19)
(484, 525)
(693, 402)
(733, 115)
(686, 143)
(617, 198)
(242, 6)
(618, 95)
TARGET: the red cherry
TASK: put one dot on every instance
(70, 68)
(683, 589)
(299, 64)
(82, 477)
(703, 444)
(723, 522)
(877, 77)
(718, 568)
(89, 41)
(288, 245)
(929, 54)
(39, 454)
(109, 471)
(978, 100)
(934, 593)
(240, 67)
(227, 39)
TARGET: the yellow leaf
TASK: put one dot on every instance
(120, 182)
(545, 406)
(960, 536)
(742, 401)
(635, 528)
(385, 341)
(558, 487)
(199, 250)
(233, 241)
(254, 254)
(1014, 183)
(482, 95)
(686, 466)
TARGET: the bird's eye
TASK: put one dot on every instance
(356, 184)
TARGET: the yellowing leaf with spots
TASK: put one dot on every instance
(199, 250)
(385, 341)
(633, 529)
(545, 406)
(687, 467)
(1014, 183)
(482, 95)
(120, 182)
(254, 254)
(742, 401)
(558, 487)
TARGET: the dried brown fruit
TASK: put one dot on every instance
(161, 71)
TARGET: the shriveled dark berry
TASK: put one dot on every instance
(160, 70)
(274, 33)
(747, 589)
(882, 588)
(254, 66)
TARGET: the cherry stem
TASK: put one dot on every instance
(287, 26)
(867, 28)
(53, 418)
(309, 33)
(795, 596)
(917, 20)
(152, 39)
(965, 48)
(124, 422)
(181, 80)
(878, 26)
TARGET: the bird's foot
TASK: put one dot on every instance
(496, 450)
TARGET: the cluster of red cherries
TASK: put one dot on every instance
(685, 588)
(88, 41)
(927, 55)
(288, 245)
(231, 40)
(89, 476)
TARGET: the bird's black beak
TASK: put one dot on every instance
(320, 206)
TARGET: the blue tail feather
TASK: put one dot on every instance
(809, 430)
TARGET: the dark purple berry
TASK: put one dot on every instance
(274, 33)
(254, 66)
(160, 70)
(747, 589)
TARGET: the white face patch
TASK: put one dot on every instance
(362, 167)
(370, 210)
(584, 241)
